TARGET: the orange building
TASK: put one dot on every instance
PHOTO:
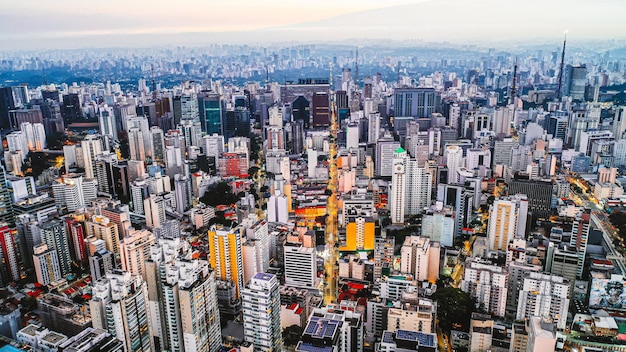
(360, 235)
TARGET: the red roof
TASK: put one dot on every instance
(299, 311)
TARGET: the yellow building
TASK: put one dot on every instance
(225, 254)
(360, 235)
(104, 229)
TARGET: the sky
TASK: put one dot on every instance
(36, 24)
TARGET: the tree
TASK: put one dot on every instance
(291, 335)
(219, 194)
(454, 308)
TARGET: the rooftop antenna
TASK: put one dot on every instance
(558, 91)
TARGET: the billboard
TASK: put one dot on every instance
(608, 293)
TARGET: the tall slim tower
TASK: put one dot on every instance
(560, 86)
(331, 260)
(261, 313)
(513, 92)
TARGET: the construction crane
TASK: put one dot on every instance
(331, 254)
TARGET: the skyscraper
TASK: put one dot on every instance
(46, 263)
(415, 102)
(8, 245)
(261, 313)
(211, 112)
(91, 146)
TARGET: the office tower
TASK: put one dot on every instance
(211, 112)
(54, 235)
(300, 265)
(139, 190)
(557, 125)
(487, 284)
(119, 305)
(157, 145)
(183, 193)
(77, 235)
(186, 107)
(575, 82)
(6, 202)
(104, 229)
(261, 313)
(420, 258)
(192, 132)
(332, 329)
(502, 151)
(539, 195)
(237, 123)
(581, 227)
(154, 209)
(225, 255)
(544, 295)
(619, 122)
(582, 119)
(385, 148)
(91, 146)
(135, 251)
(415, 102)
(461, 199)
(104, 172)
(507, 220)
(71, 108)
(454, 162)
(10, 271)
(46, 263)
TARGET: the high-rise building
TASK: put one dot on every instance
(53, 234)
(544, 295)
(104, 229)
(211, 112)
(419, 257)
(46, 263)
(154, 209)
(507, 220)
(539, 195)
(454, 162)
(487, 284)
(575, 82)
(91, 146)
(226, 255)
(385, 148)
(300, 265)
(104, 172)
(135, 251)
(415, 102)
(398, 187)
(6, 202)
(72, 192)
(9, 247)
(581, 227)
(321, 110)
(119, 305)
(76, 233)
(261, 313)
(136, 144)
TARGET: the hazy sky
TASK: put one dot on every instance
(74, 23)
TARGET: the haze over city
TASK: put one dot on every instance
(40, 24)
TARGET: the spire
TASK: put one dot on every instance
(558, 91)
